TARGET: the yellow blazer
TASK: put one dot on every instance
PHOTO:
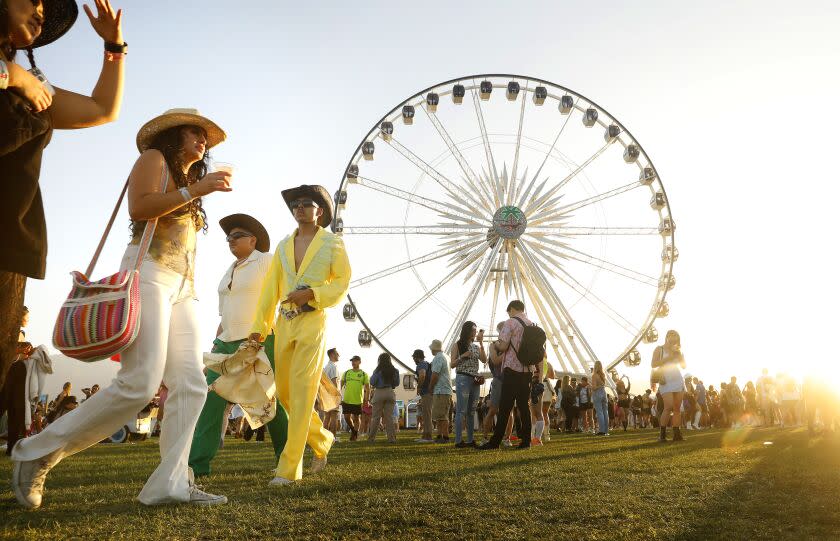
(325, 269)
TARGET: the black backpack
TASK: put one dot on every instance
(532, 348)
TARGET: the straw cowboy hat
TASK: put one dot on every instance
(249, 224)
(319, 194)
(59, 16)
(179, 117)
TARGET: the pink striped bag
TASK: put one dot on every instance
(100, 319)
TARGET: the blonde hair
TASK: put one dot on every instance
(678, 345)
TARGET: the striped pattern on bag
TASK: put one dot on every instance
(100, 318)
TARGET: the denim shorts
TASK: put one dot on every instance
(495, 392)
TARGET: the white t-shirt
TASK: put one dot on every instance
(236, 412)
(330, 370)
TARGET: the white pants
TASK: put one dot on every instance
(167, 349)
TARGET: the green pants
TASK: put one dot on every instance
(205, 443)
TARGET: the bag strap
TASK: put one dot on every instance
(148, 230)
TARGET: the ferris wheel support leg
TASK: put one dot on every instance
(573, 355)
(554, 299)
(542, 313)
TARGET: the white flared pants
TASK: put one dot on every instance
(167, 348)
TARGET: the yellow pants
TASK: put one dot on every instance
(299, 357)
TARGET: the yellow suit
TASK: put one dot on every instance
(301, 342)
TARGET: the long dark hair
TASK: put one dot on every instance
(385, 367)
(169, 143)
(464, 340)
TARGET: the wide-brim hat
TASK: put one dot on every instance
(179, 117)
(319, 194)
(59, 16)
(250, 224)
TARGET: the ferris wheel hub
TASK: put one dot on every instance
(509, 222)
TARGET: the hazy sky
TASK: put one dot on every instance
(735, 102)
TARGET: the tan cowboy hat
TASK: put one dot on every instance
(59, 16)
(179, 117)
(250, 224)
(319, 194)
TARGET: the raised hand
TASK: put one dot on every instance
(107, 23)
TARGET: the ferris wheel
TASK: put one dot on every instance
(489, 188)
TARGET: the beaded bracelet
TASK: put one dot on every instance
(4, 75)
(113, 57)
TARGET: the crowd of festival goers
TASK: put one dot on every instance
(561, 403)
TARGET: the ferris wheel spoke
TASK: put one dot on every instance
(414, 262)
(596, 301)
(469, 174)
(492, 173)
(446, 279)
(554, 298)
(509, 195)
(442, 230)
(574, 231)
(551, 149)
(553, 215)
(457, 212)
(541, 202)
(485, 266)
(456, 192)
(577, 255)
(612, 267)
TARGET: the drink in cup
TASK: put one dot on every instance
(226, 167)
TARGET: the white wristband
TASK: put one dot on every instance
(185, 193)
(4, 76)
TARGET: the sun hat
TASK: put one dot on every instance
(436, 345)
(251, 225)
(59, 16)
(179, 117)
(319, 194)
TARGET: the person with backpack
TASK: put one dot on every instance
(523, 344)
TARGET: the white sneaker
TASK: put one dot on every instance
(424, 440)
(507, 443)
(28, 479)
(337, 440)
(280, 481)
(199, 497)
(317, 464)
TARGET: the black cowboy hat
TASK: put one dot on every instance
(319, 194)
(249, 224)
(59, 16)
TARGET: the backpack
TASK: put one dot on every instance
(532, 348)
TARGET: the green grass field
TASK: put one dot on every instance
(715, 485)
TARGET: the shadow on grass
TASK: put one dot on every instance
(793, 464)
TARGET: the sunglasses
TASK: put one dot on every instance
(305, 203)
(238, 235)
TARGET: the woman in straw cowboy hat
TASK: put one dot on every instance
(174, 154)
(29, 110)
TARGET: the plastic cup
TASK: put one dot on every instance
(226, 167)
